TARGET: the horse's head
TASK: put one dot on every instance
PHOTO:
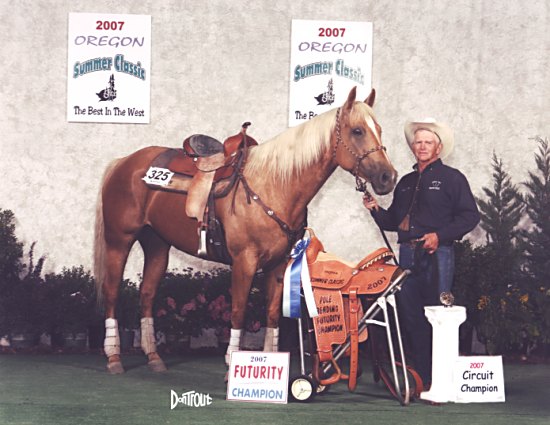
(357, 145)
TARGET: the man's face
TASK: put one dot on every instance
(426, 146)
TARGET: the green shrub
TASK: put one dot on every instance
(536, 245)
(72, 300)
(11, 251)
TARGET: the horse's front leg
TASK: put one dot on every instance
(274, 293)
(242, 273)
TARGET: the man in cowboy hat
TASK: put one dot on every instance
(432, 207)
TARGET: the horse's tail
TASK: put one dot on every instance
(99, 237)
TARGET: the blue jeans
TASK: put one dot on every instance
(431, 275)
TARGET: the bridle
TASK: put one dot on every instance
(360, 184)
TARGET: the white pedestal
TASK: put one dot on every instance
(445, 322)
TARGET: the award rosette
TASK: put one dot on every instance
(296, 275)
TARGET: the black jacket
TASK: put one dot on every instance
(444, 205)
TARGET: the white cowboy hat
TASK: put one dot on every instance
(444, 133)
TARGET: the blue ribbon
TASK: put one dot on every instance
(292, 279)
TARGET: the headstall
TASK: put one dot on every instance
(360, 184)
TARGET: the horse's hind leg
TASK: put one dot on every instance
(116, 256)
(156, 252)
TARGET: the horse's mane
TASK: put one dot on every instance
(293, 150)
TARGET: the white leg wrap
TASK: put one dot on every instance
(271, 341)
(112, 338)
(234, 344)
(148, 344)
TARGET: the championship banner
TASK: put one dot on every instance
(328, 58)
(109, 68)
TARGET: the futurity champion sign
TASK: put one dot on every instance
(109, 66)
(258, 377)
(327, 59)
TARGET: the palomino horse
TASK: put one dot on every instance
(285, 173)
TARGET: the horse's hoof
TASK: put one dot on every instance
(115, 368)
(157, 365)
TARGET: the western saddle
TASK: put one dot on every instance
(341, 324)
(205, 169)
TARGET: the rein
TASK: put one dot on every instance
(360, 184)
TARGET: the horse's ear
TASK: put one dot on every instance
(370, 99)
(351, 99)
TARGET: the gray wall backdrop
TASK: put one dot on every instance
(480, 65)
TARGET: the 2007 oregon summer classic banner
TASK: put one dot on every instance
(109, 68)
(327, 59)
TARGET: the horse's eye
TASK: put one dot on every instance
(357, 131)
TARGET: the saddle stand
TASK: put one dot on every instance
(350, 299)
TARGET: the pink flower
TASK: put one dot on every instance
(171, 302)
(201, 298)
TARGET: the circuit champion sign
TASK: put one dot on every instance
(479, 379)
(109, 63)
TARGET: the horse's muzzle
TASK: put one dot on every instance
(383, 181)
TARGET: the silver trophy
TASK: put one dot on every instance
(447, 299)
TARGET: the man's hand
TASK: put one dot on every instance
(370, 203)
(431, 242)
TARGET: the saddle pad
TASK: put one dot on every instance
(178, 183)
(184, 169)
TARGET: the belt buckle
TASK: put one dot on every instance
(415, 243)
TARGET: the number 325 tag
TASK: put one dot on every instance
(158, 176)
